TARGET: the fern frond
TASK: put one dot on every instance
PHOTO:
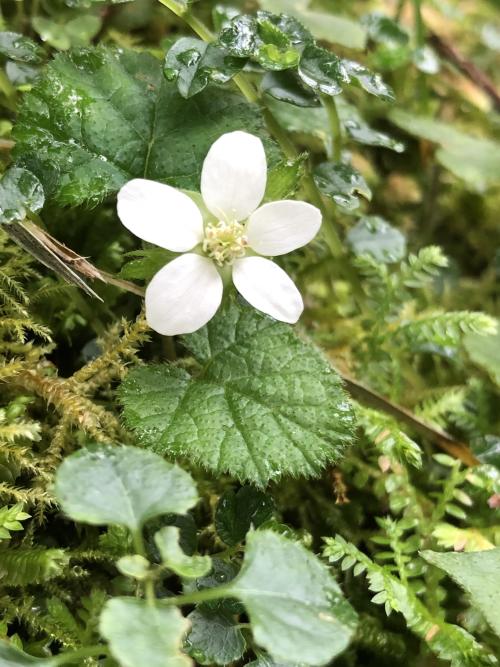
(421, 269)
(384, 433)
(448, 642)
(444, 329)
(21, 567)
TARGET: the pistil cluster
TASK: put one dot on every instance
(225, 242)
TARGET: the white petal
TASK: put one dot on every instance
(160, 214)
(233, 179)
(282, 226)
(268, 288)
(183, 296)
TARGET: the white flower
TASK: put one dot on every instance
(186, 293)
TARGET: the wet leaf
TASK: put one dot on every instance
(239, 511)
(374, 236)
(368, 80)
(239, 414)
(84, 142)
(20, 193)
(193, 63)
(342, 183)
(323, 25)
(322, 70)
(287, 87)
(20, 48)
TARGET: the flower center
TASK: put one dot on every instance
(225, 241)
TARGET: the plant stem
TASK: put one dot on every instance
(329, 228)
(335, 127)
(140, 548)
(85, 652)
(204, 595)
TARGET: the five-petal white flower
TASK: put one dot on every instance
(186, 293)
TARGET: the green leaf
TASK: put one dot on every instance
(193, 63)
(145, 263)
(237, 512)
(358, 129)
(173, 557)
(384, 30)
(374, 236)
(11, 656)
(368, 80)
(265, 403)
(485, 352)
(283, 180)
(273, 41)
(342, 183)
(21, 74)
(324, 25)
(286, 86)
(473, 159)
(294, 604)
(214, 638)
(134, 565)
(99, 118)
(78, 31)
(487, 450)
(471, 571)
(20, 193)
(20, 48)
(141, 634)
(109, 484)
(322, 70)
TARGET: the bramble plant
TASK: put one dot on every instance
(289, 454)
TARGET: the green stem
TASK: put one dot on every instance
(204, 595)
(140, 548)
(335, 127)
(86, 652)
(419, 24)
(399, 10)
(329, 226)
(195, 24)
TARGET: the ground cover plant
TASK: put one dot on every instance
(250, 356)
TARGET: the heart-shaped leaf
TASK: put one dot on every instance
(98, 118)
(121, 485)
(294, 604)
(141, 634)
(263, 404)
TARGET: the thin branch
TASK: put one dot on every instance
(472, 71)
(444, 440)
